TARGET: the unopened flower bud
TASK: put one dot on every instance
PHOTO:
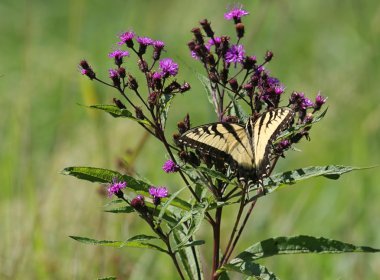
(206, 25)
(233, 84)
(239, 30)
(268, 56)
(198, 35)
(139, 113)
(185, 87)
(143, 65)
(132, 82)
(119, 104)
(138, 203)
(121, 72)
(153, 98)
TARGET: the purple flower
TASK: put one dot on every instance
(115, 187)
(236, 13)
(306, 103)
(235, 54)
(156, 76)
(168, 67)
(170, 166)
(284, 144)
(158, 192)
(319, 101)
(158, 45)
(113, 73)
(126, 38)
(146, 41)
(216, 41)
(118, 54)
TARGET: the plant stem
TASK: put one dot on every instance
(216, 236)
(240, 230)
(237, 220)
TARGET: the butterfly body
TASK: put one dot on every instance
(245, 149)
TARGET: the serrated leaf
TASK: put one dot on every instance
(280, 180)
(166, 100)
(196, 217)
(116, 112)
(92, 174)
(238, 110)
(138, 241)
(302, 244)
(124, 209)
(166, 204)
(188, 256)
(251, 269)
(210, 92)
(102, 175)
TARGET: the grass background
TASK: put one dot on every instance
(332, 46)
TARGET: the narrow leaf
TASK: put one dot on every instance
(251, 269)
(210, 92)
(188, 257)
(124, 209)
(91, 174)
(134, 242)
(101, 175)
(301, 244)
(237, 109)
(291, 177)
(166, 100)
(166, 204)
(116, 112)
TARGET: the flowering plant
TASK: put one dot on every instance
(235, 83)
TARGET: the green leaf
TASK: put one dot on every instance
(108, 278)
(210, 92)
(188, 256)
(166, 204)
(116, 112)
(196, 217)
(138, 241)
(124, 209)
(166, 100)
(301, 244)
(237, 109)
(287, 178)
(92, 174)
(250, 269)
(101, 175)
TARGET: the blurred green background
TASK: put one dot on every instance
(331, 46)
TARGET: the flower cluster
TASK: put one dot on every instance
(159, 79)
(233, 72)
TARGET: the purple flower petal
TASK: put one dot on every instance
(118, 54)
(235, 54)
(170, 166)
(236, 13)
(168, 67)
(116, 187)
(158, 192)
(146, 41)
(126, 37)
